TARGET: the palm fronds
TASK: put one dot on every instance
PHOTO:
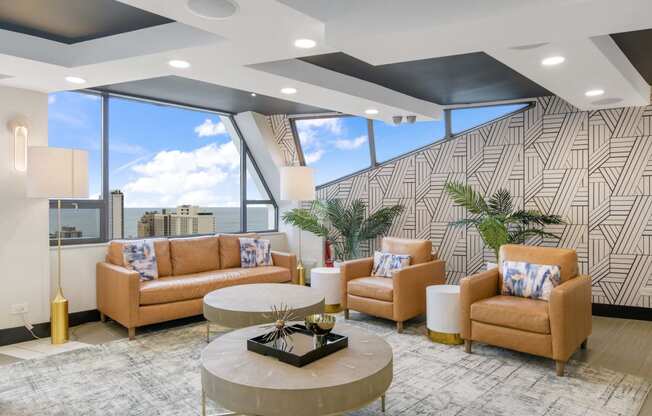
(467, 197)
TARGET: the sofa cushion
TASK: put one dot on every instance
(230, 249)
(197, 285)
(372, 287)
(419, 250)
(512, 312)
(194, 255)
(161, 249)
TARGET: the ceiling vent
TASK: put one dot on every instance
(213, 9)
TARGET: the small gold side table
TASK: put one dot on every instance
(327, 281)
(443, 314)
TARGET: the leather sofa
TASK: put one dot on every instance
(399, 298)
(553, 329)
(188, 269)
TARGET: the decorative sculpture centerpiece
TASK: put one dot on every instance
(320, 325)
(281, 335)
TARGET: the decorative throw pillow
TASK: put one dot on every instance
(527, 280)
(386, 263)
(139, 255)
(255, 252)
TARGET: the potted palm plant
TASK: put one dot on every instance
(496, 219)
(344, 227)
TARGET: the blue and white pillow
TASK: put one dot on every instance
(255, 252)
(386, 263)
(527, 280)
(139, 255)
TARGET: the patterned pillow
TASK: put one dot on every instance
(386, 263)
(534, 281)
(255, 252)
(139, 255)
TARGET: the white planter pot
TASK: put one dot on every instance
(491, 265)
(337, 263)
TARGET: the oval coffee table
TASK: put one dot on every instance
(245, 305)
(249, 383)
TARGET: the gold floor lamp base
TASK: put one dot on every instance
(59, 318)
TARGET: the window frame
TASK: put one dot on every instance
(103, 203)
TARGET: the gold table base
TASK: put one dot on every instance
(445, 338)
(335, 308)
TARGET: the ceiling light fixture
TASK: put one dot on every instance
(553, 60)
(411, 119)
(371, 111)
(75, 80)
(594, 93)
(397, 120)
(179, 64)
(212, 9)
(305, 43)
(288, 90)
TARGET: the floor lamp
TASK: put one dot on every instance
(57, 173)
(298, 184)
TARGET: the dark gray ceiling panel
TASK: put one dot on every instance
(458, 79)
(202, 94)
(637, 46)
(72, 21)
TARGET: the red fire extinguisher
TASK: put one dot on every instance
(328, 258)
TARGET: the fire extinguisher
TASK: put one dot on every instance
(328, 258)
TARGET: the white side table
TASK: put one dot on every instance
(326, 280)
(443, 306)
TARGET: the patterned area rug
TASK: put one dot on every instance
(158, 374)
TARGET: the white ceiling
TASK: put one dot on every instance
(242, 52)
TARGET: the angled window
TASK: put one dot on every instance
(467, 118)
(395, 140)
(261, 211)
(334, 146)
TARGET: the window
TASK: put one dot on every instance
(334, 146)
(467, 118)
(171, 171)
(394, 140)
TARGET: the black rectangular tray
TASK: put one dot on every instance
(334, 343)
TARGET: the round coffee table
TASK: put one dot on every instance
(249, 383)
(246, 305)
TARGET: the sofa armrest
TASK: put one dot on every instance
(350, 270)
(472, 289)
(570, 316)
(410, 287)
(287, 260)
(118, 293)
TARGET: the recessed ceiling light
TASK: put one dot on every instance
(253, 94)
(178, 63)
(213, 9)
(594, 93)
(553, 60)
(371, 111)
(289, 90)
(305, 43)
(75, 80)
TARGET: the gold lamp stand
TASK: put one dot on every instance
(301, 271)
(59, 305)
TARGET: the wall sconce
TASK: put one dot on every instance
(20, 136)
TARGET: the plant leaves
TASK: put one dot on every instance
(500, 203)
(467, 197)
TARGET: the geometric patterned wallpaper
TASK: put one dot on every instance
(594, 168)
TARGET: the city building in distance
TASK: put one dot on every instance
(185, 220)
(116, 214)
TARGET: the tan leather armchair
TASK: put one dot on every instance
(553, 329)
(404, 295)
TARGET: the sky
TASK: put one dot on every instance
(163, 156)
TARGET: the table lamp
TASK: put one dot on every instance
(298, 184)
(57, 173)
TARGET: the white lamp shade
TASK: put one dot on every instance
(57, 173)
(297, 183)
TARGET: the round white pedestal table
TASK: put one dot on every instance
(443, 314)
(326, 281)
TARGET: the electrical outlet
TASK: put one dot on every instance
(19, 309)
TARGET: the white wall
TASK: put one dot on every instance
(23, 221)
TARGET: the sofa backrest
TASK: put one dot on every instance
(161, 249)
(230, 249)
(565, 258)
(194, 254)
(420, 251)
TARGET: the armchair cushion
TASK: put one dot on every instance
(565, 258)
(513, 312)
(372, 287)
(528, 280)
(420, 251)
(386, 263)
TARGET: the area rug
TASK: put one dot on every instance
(158, 374)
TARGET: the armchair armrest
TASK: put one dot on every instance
(350, 270)
(118, 293)
(570, 316)
(287, 260)
(410, 287)
(472, 289)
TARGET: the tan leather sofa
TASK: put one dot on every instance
(188, 268)
(404, 295)
(553, 329)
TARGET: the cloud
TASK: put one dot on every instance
(126, 148)
(209, 128)
(310, 129)
(313, 157)
(346, 144)
(207, 176)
